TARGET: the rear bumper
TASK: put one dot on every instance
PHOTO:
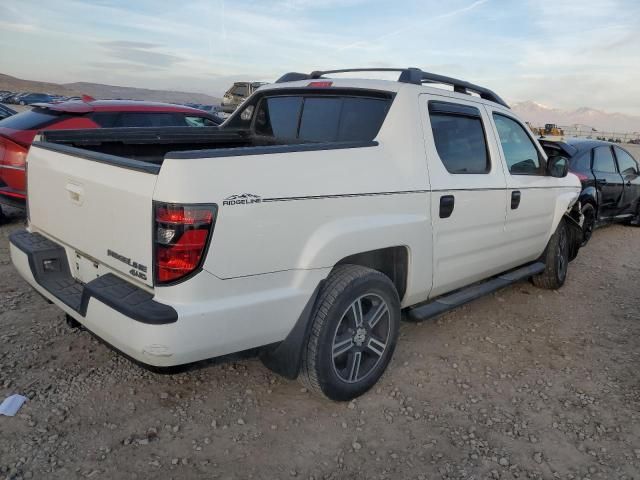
(230, 316)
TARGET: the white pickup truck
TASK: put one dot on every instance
(307, 224)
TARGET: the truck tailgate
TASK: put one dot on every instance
(101, 210)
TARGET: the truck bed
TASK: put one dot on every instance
(145, 149)
(148, 145)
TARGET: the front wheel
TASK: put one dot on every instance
(556, 259)
(353, 333)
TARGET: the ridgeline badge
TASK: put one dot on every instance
(241, 199)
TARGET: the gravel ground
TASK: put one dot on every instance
(525, 383)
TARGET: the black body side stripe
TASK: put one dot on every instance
(341, 195)
(400, 192)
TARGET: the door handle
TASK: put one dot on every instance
(515, 199)
(447, 203)
(601, 181)
(76, 193)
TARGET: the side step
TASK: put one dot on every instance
(477, 290)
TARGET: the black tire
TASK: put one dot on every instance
(556, 259)
(329, 359)
(588, 222)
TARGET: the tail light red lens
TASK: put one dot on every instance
(12, 164)
(182, 234)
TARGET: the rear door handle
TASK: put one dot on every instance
(447, 203)
(601, 181)
(515, 199)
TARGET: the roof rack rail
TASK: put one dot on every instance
(407, 75)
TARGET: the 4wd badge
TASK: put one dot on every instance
(241, 199)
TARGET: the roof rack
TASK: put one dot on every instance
(407, 75)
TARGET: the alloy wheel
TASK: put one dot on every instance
(361, 338)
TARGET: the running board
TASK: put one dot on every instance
(467, 294)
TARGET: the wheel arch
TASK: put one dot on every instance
(285, 357)
(390, 261)
(589, 195)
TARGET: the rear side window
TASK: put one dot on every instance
(241, 90)
(106, 119)
(581, 162)
(459, 137)
(520, 153)
(603, 160)
(32, 119)
(150, 119)
(627, 164)
(321, 118)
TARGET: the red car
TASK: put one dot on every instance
(17, 132)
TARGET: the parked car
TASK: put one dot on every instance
(17, 132)
(4, 94)
(610, 180)
(237, 94)
(303, 225)
(13, 98)
(6, 112)
(31, 98)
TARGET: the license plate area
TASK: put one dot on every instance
(85, 268)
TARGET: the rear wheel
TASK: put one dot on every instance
(588, 222)
(556, 259)
(353, 334)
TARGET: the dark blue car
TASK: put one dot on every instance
(610, 179)
(31, 98)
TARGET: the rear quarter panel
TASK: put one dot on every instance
(315, 207)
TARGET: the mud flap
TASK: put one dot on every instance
(573, 220)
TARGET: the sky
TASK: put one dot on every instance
(560, 53)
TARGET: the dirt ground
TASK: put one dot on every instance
(525, 383)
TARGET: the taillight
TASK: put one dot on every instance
(12, 163)
(181, 234)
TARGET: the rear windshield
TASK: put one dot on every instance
(31, 120)
(321, 118)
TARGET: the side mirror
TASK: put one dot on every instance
(557, 166)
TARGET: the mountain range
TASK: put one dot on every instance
(538, 114)
(97, 90)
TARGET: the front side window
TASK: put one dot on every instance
(520, 152)
(603, 160)
(459, 138)
(627, 164)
